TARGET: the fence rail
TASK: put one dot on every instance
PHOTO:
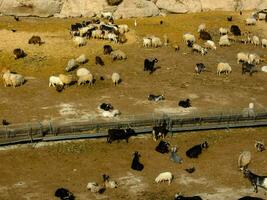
(65, 130)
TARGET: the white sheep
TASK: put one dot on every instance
(11, 79)
(82, 59)
(107, 15)
(82, 72)
(262, 16)
(156, 42)
(199, 49)
(264, 43)
(110, 114)
(86, 78)
(94, 187)
(255, 40)
(79, 41)
(112, 37)
(244, 159)
(83, 30)
(54, 81)
(72, 64)
(116, 78)
(223, 31)
(210, 44)
(97, 34)
(242, 57)
(147, 42)
(224, 41)
(123, 28)
(253, 59)
(189, 38)
(66, 79)
(223, 67)
(118, 55)
(250, 21)
(165, 176)
(201, 27)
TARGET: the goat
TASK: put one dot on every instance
(107, 49)
(196, 150)
(19, 53)
(178, 196)
(5, 122)
(99, 61)
(108, 183)
(160, 131)
(256, 180)
(120, 134)
(205, 35)
(246, 67)
(156, 98)
(162, 147)
(185, 103)
(250, 198)
(106, 106)
(229, 18)
(190, 170)
(259, 146)
(64, 194)
(174, 157)
(200, 67)
(136, 165)
(149, 64)
(235, 30)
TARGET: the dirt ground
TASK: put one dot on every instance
(175, 78)
(36, 171)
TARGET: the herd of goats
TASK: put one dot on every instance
(98, 29)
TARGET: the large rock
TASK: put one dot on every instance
(74, 8)
(172, 6)
(42, 8)
(227, 5)
(252, 4)
(136, 8)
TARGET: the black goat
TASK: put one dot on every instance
(35, 40)
(153, 97)
(107, 49)
(149, 64)
(162, 147)
(19, 53)
(256, 180)
(136, 165)
(229, 18)
(235, 30)
(185, 103)
(64, 194)
(180, 197)
(99, 61)
(250, 198)
(160, 131)
(200, 67)
(106, 106)
(16, 18)
(204, 35)
(5, 123)
(120, 134)
(59, 88)
(196, 150)
(189, 43)
(190, 170)
(246, 67)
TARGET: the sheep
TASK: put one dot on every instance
(118, 55)
(244, 159)
(19, 53)
(66, 79)
(201, 27)
(35, 40)
(97, 34)
(82, 72)
(259, 145)
(108, 183)
(147, 42)
(156, 42)
(165, 176)
(11, 79)
(189, 39)
(264, 43)
(72, 64)
(55, 80)
(86, 78)
(106, 15)
(210, 44)
(253, 59)
(199, 49)
(152, 97)
(82, 59)
(116, 79)
(223, 31)
(242, 57)
(112, 37)
(262, 16)
(79, 41)
(95, 188)
(224, 41)
(223, 67)
(123, 28)
(251, 21)
(255, 40)
(196, 150)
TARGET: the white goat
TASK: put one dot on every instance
(147, 42)
(223, 31)
(251, 21)
(242, 57)
(82, 72)
(86, 78)
(255, 40)
(11, 79)
(54, 81)
(210, 45)
(224, 41)
(165, 176)
(156, 42)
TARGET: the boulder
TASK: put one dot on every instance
(226, 5)
(42, 8)
(136, 8)
(172, 6)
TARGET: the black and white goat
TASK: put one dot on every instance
(184, 103)
(178, 196)
(156, 98)
(196, 150)
(162, 147)
(256, 180)
(136, 165)
(64, 194)
(106, 106)
(200, 67)
(160, 131)
(259, 145)
(149, 65)
(120, 134)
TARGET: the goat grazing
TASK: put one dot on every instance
(165, 176)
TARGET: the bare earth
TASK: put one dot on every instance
(34, 173)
